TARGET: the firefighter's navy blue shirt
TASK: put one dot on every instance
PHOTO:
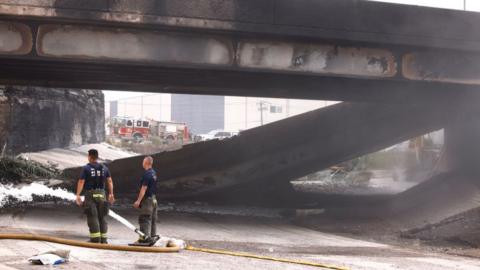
(149, 179)
(94, 175)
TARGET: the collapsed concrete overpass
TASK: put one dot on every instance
(340, 50)
(282, 151)
(313, 49)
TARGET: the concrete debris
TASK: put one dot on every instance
(460, 229)
(15, 170)
(64, 158)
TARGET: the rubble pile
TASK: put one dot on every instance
(16, 170)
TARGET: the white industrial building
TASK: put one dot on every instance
(205, 113)
(243, 113)
(154, 106)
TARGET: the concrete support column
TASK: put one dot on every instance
(462, 143)
(4, 120)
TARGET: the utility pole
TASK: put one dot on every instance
(287, 107)
(464, 4)
(246, 113)
(141, 106)
(261, 108)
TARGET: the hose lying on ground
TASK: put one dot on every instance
(259, 257)
(36, 237)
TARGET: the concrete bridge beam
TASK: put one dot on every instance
(207, 42)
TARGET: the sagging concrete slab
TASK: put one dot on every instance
(281, 151)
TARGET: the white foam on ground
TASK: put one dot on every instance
(25, 193)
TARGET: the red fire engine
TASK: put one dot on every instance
(130, 128)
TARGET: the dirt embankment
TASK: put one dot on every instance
(442, 212)
(461, 229)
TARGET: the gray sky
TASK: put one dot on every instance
(471, 5)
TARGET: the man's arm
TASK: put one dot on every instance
(111, 197)
(80, 184)
(141, 194)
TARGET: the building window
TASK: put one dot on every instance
(275, 109)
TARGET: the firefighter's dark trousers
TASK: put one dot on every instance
(148, 216)
(96, 208)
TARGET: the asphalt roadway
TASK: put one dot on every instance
(264, 236)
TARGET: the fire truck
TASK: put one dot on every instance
(170, 132)
(129, 128)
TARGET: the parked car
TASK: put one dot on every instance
(214, 134)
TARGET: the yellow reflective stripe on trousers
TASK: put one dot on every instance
(104, 235)
(95, 235)
(97, 195)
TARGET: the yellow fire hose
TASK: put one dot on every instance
(253, 256)
(36, 237)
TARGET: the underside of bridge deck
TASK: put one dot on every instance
(246, 48)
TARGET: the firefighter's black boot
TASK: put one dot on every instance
(145, 240)
(96, 240)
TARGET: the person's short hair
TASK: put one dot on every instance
(93, 153)
(150, 159)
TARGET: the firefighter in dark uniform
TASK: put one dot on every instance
(93, 178)
(147, 202)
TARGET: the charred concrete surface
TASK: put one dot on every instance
(442, 211)
(351, 20)
(457, 67)
(277, 153)
(128, 45)
(36, 118)
(222, 47)
(439, 214)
